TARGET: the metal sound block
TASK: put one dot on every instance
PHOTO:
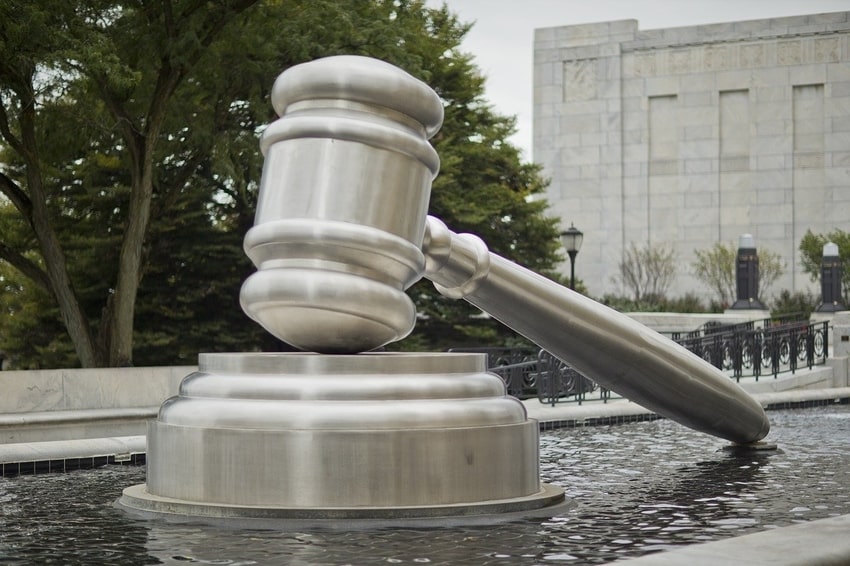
(341, 437)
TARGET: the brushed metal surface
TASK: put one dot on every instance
(303, 414)
(307, 436)
(341, 210)
(609, 347)
(544, 504)
(343, 468)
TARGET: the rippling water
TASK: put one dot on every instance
(637, 488)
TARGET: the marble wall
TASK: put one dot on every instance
(83, 389)
(684, 137)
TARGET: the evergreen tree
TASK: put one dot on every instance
(151, 135)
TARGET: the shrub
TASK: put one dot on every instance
(803, 302)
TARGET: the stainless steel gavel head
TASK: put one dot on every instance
(343, 199)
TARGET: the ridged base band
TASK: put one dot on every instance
(548, 502)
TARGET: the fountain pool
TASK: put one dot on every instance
(637, 488)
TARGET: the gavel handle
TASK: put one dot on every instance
(609, 347)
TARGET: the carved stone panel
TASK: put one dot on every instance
(752, 55)
(680, 60)
(717, 57)
(580, 82)
(789, 52)
(827, 50)
(645, 64)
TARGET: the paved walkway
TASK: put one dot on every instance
(814, 543)
(620, 410)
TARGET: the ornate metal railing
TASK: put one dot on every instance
(530, 373)
(754, 348)
(778, 347)
(714, 327)
(557, 381)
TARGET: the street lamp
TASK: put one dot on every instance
(747, 274)
(571, 240)
(830, 280)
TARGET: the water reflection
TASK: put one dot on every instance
(638, 488)
(68, 519)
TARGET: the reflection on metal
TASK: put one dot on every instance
(341, 212)
(340, 232)
(531, 373)
(516, 366)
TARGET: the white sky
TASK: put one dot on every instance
(502, 37)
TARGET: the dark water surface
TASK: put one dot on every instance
(637, 488)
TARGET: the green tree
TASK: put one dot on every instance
(648, 271)
(811, 254)
(113, 68)
(715, 267)
(144, 144)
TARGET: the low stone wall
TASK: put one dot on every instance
(79, 389)
(54, 407)
(667, 322)
(819, 377)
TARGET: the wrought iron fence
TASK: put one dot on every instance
(557, 381)
(776, 347)
(530, 373)
(754, 348)
(713, 327)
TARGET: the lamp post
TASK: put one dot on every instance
(747, 275)
(571, 240)
(830, 280)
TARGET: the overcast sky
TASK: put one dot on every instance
(502, 36)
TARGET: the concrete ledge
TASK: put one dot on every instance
(65, 455)
(666, 322)
(816, 543)
(802, 397)
(57, 426)
(818, 377)
(69, 417)
(98, 388)
(563, 415)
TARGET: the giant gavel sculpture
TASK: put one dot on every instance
(341, 232)
(341, 221)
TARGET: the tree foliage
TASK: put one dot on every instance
(647, 271)
(82, 81)
(715, 267)
(811, 254)
(129, 164)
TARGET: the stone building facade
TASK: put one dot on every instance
(684, 137)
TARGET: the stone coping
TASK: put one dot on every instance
(823, 542)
